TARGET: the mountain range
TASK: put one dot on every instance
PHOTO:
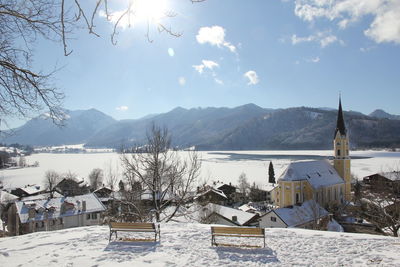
(247, 127)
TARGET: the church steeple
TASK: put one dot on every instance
(341, 161)
(340, 127)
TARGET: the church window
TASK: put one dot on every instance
(338, 152)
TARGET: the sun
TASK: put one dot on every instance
(150, 10)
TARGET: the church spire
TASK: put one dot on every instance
(340, 121)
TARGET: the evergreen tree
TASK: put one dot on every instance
(271, 173)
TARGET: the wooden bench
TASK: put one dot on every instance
(236, 232)
(134, 227)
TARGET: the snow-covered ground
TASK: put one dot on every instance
(225, 166)
(189, 245)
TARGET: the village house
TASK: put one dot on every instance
(319, 180)
(217, 214)
(54, 214)
(308, 215)
(29, 190)
(71, 187)
(212, 195)
(383, 181)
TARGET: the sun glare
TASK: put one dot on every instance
(150, 10)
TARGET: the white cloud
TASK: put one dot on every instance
(214, 35)
(315, 60)
(385, 25)
(182, 81)
(252, 76)
(171, 52)
(323, 38)
(209, 64)
(122, 108)
(199, 68)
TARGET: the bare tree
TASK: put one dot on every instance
(24, 91)
(243, 184)
(111, 176)
(166, 178)
(51, 179)
(96, 178)
(380, 205)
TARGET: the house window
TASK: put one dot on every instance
(94, 216)
(273, 219)
(338, 152)
(88, 216)
(297, 197)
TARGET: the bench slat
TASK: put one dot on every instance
(237, 230)
(233, 235)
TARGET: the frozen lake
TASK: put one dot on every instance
(225, 166)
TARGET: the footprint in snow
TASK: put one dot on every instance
(5, 254)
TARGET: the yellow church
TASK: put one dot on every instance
(319, 180)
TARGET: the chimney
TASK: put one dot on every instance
(234, 218)
(83, 205)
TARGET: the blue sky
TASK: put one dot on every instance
(273, 53)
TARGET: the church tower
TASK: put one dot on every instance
(341, 160)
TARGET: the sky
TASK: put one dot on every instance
(273, 53)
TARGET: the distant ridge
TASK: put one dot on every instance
(379, 113)
(244, 127)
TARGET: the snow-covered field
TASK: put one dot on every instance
(189, 245)
(225, 166)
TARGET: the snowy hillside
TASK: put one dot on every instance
(189, 245)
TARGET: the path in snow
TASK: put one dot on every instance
(189, 245)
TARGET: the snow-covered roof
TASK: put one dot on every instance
(103, 188)
(268, 187)
(394, 176)
(216, 191)
(41, 196)
(317, 172)
(32, 189)
(298, 215)
(6, 197)
(93, 204)
(246, 208)
(228, 213)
